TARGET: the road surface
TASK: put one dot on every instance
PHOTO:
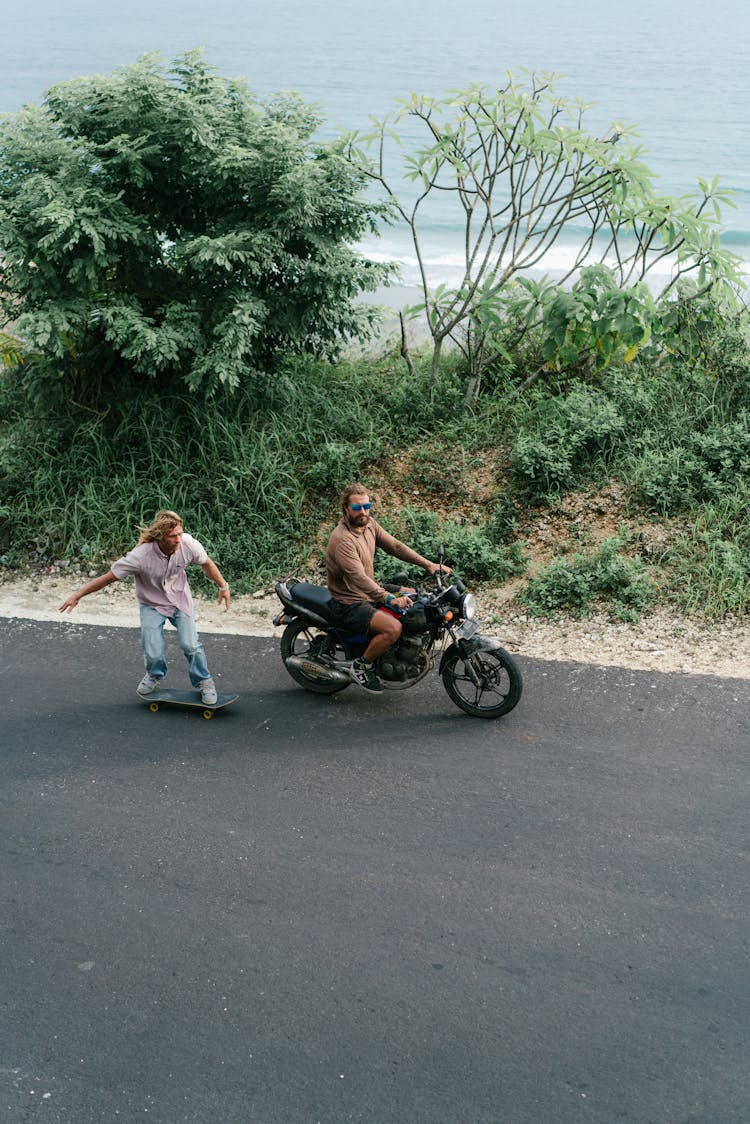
(363, 908)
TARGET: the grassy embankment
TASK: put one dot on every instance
(631, 489)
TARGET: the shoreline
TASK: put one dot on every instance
(660, 642)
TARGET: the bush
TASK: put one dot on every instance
(336, 462)
(702, 467)
(164, 227)
(577, 583)
(469, 549)
(710, 334)
(573, 435)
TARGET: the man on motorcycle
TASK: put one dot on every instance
(357, 599)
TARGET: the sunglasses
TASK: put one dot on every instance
(360, 506)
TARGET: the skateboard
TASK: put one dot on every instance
(185, 698)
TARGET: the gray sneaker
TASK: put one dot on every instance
(148, 684)
(207, 688)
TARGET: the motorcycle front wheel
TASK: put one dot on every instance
(498, 683)
(308, 642)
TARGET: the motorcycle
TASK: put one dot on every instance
(478, 674)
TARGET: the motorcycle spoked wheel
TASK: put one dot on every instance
(301, 639)
(499, 687)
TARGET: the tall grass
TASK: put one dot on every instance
(250, 473)
(709, 559)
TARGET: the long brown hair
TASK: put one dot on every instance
(163, 523)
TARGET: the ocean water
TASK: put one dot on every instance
(675, 70)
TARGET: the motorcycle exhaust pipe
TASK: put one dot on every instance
(316, 670)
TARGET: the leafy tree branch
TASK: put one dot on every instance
(523, 171)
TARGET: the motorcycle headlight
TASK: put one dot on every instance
(468, 606)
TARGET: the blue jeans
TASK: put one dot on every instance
(152, 640)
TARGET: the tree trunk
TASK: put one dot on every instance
(405, 346)
(472, 389)
(437, 348)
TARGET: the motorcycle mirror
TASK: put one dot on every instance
(441, 556)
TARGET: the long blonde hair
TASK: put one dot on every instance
(163, 523)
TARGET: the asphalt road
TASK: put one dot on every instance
(367, 908)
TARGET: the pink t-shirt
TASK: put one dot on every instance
(160, 579)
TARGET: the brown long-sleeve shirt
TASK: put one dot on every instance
(350, 562)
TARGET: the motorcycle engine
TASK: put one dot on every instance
(405, 660)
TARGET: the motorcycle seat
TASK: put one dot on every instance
(314, 597)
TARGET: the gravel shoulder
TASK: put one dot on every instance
(662, 641)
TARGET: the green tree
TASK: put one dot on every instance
(522, 171)
(163, 224)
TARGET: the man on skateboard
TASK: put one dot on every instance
(158, 563)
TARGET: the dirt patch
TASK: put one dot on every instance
(581, 521)
(662, 641)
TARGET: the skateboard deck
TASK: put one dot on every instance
(168, 697)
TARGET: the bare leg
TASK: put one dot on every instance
(384, 632)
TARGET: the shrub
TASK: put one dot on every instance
(468, 548)
(167, 228)
(572, 434)
(336, 462)
(703, 466)
(574, 584)
(711, 335)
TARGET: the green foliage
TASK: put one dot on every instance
(709, 558)
(677, 433)
(503, 521)
(469, 548)
(335, 461)
(79, 490)
(256, 473)
(709, 334)
(251, 475)
(429, 398)
(701, 467)
(576, 583)
(570, 437)
(12, 352)
(590, 324)
(165, 227)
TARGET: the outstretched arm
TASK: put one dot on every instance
(212, 571)
(91, 587)
(405, 553)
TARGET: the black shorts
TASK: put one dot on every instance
(354, 619)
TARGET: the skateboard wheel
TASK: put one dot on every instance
(208, 714)
(153, 707)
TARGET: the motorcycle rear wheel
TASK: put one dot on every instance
(499, 687)
(305, 640)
